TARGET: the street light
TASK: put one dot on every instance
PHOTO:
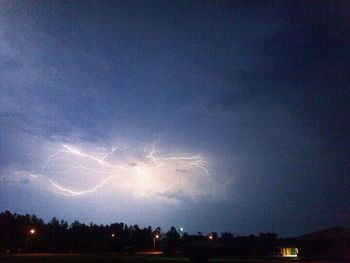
(210, 237)
(113, 235)
(181, 232)
(31, 232)
(154, 241)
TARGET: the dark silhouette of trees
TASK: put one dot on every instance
(172, 238)
(227, 237)
(58, 236)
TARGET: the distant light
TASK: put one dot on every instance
(210, 237)
(113, 235)
(32, 231)
(181, 229)
(156, 236)
(289, 252)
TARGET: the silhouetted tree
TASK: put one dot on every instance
(58, 236)
(172, 238)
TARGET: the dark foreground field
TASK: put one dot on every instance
(109, 258)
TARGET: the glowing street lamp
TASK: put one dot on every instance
(154, 241)
(210, 237)
(31, 232)
(113, 235)
(181, 232)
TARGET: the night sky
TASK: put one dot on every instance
(212, 116)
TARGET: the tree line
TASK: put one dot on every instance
(28, 233)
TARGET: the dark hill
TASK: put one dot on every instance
(336, 232)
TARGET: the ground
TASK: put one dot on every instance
(116, 258)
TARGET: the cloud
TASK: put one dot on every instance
(25, 181)
(11, 177)
(177, 196)
(41, 78)
(88, 169)
(4, 180)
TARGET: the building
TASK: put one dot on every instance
(288, 252)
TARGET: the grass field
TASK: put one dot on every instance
(110, 258)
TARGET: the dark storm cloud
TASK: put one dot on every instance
(260, 88)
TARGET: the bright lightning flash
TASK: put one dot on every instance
(149, 172)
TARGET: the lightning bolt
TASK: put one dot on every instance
(150, 160)
(68, 192)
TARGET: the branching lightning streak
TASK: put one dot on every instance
(79, 166)
(150, 160)
(68, 192)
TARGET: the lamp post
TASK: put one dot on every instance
(181, 232)
(30, 234)
(154, 241)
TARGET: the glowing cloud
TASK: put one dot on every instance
(75, 171)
